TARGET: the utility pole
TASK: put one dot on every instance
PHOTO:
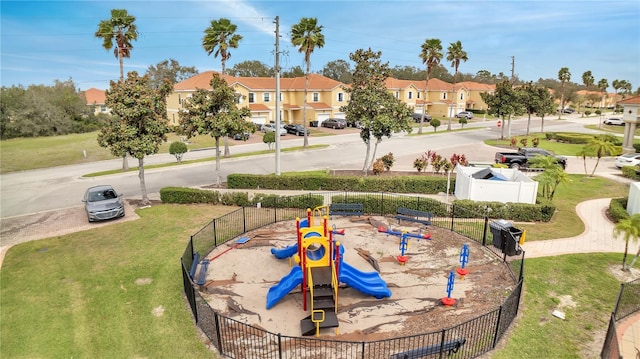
(277, 69)
(513, 68)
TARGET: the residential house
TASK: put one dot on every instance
(473, 100)
(595, 99)
(324, 98)
(96, 98)
(631, 118)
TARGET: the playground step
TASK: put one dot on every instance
(307, 327)
(323, 291)
(324, 303)
(321, 276)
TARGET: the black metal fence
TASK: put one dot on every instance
(235, 339)
(628, 303)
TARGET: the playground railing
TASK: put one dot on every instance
(235, 339)
(628, 303)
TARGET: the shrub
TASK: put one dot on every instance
(618, 209)
(188, 195)
(598, 112)
(524, 141)
(587, 113)
(513, 141)
(240, 199)
(388, 160)
(630, 172)
(269, 138)
(463, 121)
(435, 123)
(178, 148)
(419, 164)
(378, 166)
(535, 141)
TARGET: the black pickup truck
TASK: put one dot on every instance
(519, 159)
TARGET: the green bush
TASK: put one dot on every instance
(385, 204)
(178, 149)
(521, 212)
(275, 201)
(574, 138)
(240, 199)
(630, 172)
(188, 195)
(618, 209)
(396, 184)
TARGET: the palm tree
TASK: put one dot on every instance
(553, 175)
(603, 84)
(307, 35)
(630, 229)
(218, 38)
(600, 146)
(563, 75)
(455, 54)
(120, 28)
(431, 55)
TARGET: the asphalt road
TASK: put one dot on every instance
(63, 187)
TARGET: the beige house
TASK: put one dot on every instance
(631, 118)
(96, 98)
(324, 97)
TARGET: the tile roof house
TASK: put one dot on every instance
(96, 98)
(324, 98)
(631, 118)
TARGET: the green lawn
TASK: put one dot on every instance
(111, 292)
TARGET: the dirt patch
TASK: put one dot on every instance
(239, 278)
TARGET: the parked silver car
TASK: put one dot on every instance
(102, 202)
(628, 159)
(614, 121)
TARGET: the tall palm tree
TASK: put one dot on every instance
(603, 84)
(455, 54)
(218, 38)
(121, 30)
(563, 75)
(307, 35)
(630, 230)
(431, 55)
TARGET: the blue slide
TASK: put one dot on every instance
(368, 283)
(285, 252)
(286, 284)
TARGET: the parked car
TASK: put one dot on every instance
(270, 127)
(520, 159)
(102, 202)
(614, 121)
(628, 159)
(335, 123)
(567, 110)
(241, 136)
(466, 114)
(296, 129)
(417, 117)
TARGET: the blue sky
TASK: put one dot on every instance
(42, 41)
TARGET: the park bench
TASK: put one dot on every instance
(194, 265)
(346, 209)
(449, 347)
(413, 215)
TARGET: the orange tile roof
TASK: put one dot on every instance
(316, 82)
(630, 101)
(95, 96)
(290, 106)
(258, 107)
(476, 86)
(319, 106)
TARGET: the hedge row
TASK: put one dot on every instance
(397, 184)
(630, 172)
(241, 199)
(520, 212)
(618, 209)
(387, 204)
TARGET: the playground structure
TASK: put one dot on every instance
(319, 270)
(404, 241)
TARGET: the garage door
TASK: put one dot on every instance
(340, 115)
(260, 120)
(321, 118)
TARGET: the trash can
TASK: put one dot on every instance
(313, 123)
(511, 239)
(498, 229)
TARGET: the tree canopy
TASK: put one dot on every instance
(121, 30)
(170, 70)
(376, 109)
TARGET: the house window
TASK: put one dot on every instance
(410, 95)
(103, 108)
(280, 96)
(340, 97)
(418, 95)
(397, 94)
(444, 95)
(179, 99)
(266, 97)
(252, 97)
(316, 97)
(462, 96)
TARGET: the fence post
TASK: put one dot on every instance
(275, 210)
(279, 346)
(363, 348)
(215, 233)
(615, 309)
(244, 220)
(495, 334)
(218, 335)
(453, 214)
(444, 334)
(382, 204)
(484, 231)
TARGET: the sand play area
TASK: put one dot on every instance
(238, 280)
